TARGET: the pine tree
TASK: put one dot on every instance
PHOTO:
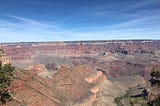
(6, 77)
(155, 73)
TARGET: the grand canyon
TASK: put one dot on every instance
(81, 73)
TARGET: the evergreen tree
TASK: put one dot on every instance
(6, 77)
(155, 73)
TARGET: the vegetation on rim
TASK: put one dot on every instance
(6, 77)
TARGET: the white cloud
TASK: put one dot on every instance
(141, 26)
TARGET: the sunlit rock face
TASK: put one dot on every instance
(4, 59)
(94, 78)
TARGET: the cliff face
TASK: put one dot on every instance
(22, 51)
(4, 59)
(73, 86)
(115, 58)
(95, 78)
(67, 87)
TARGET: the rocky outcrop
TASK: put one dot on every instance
(95, 78)
(38, 67)
(4, 59)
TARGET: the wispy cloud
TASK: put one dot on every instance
(31, 22)
(141, 5)
(135, 21)
(29, 29)
(136, 15)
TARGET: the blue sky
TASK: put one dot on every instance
(68, 20)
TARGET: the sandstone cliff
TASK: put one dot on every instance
(4, 59)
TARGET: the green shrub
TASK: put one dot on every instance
(155, 73)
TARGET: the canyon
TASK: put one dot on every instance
(115, 58)
(79, 73)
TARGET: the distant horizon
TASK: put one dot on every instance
(72, 20)
(81, 41)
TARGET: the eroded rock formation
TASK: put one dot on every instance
(118, 58)
(4, 59)
(68, 86)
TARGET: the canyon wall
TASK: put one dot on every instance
(115, 58)
(21, 51)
